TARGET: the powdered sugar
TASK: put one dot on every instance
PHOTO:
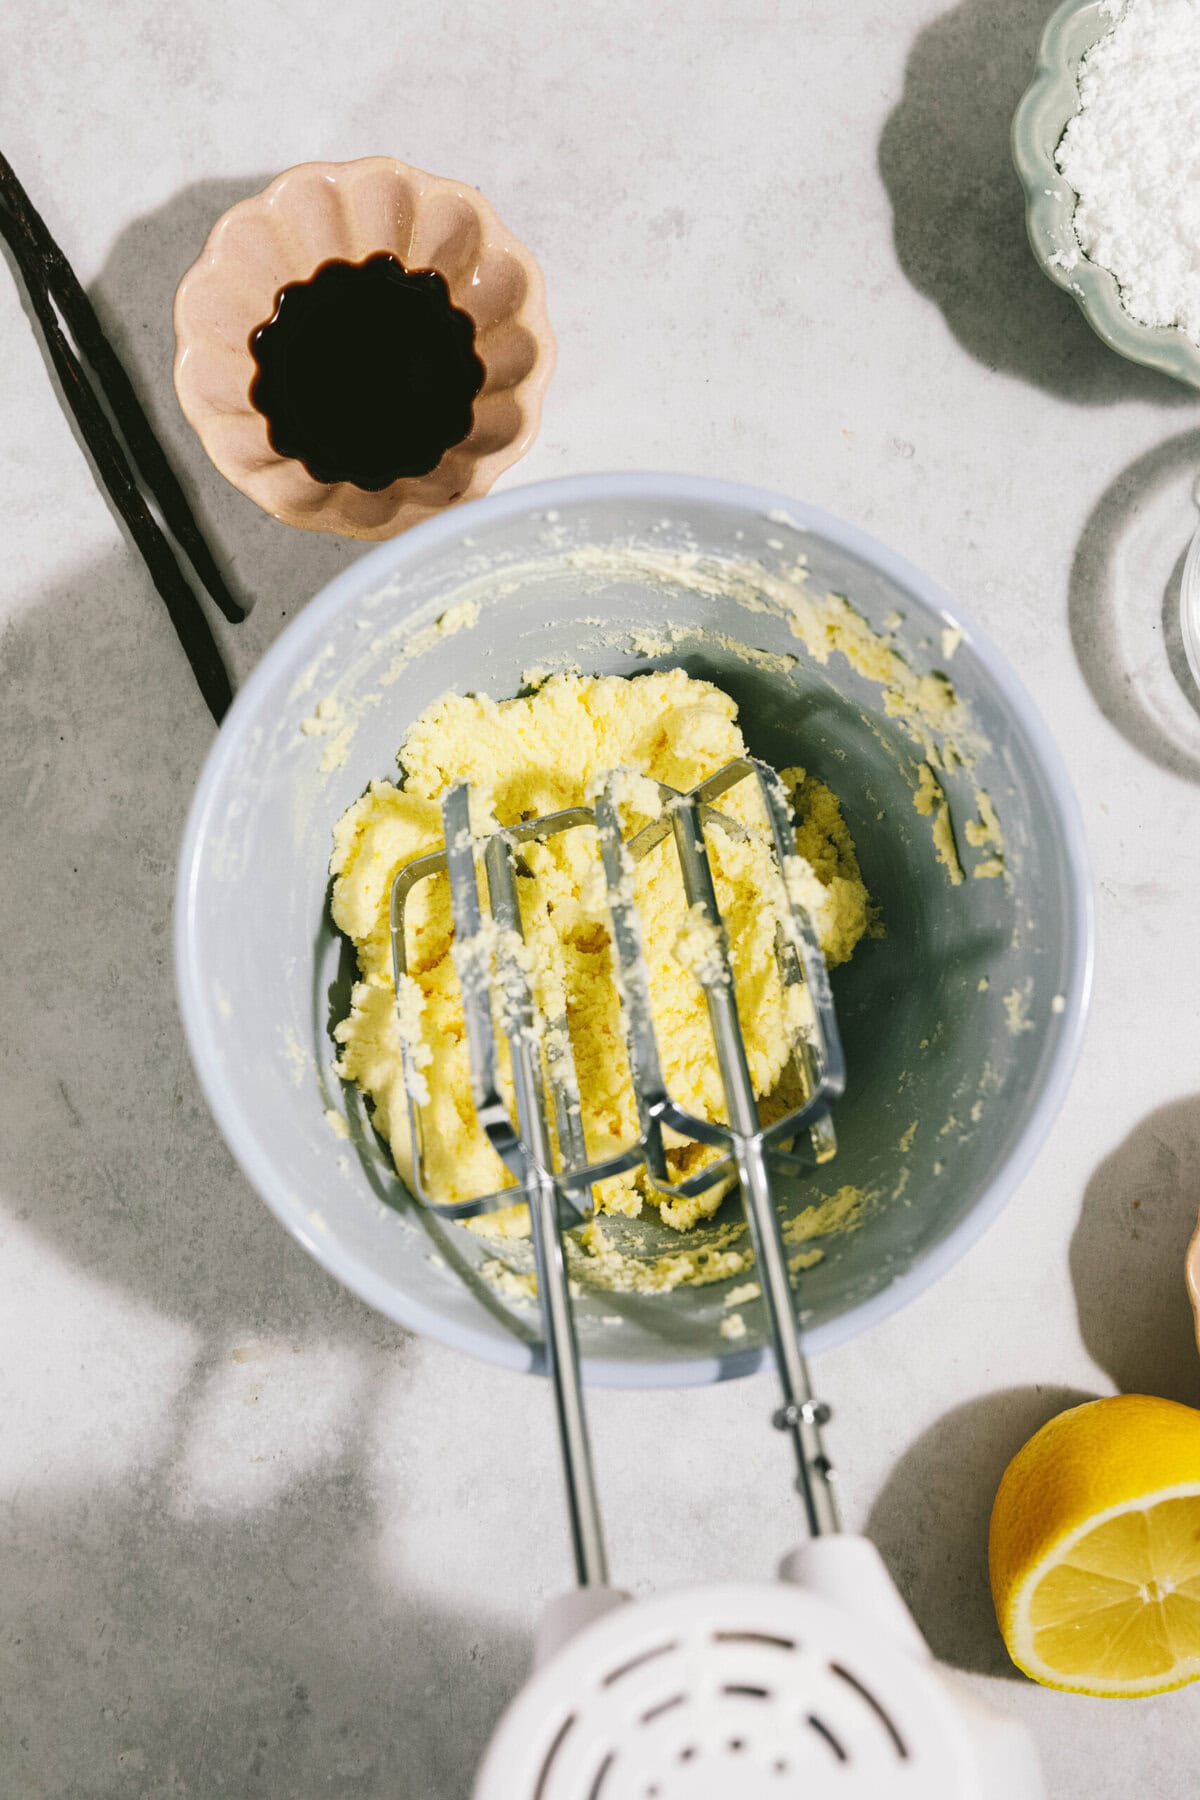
(1132, 154)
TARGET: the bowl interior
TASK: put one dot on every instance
(960, 1021)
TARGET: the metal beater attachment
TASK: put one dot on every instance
(543, 1145)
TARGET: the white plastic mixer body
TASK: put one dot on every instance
(819, 1685)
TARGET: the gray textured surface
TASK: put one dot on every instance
(255, 1542)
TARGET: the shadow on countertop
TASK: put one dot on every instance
(259, 1657)
(1127, 1257)
(108, 1149)
(150, 1641)
(931, 1518)
(272, 568)
(958, 210)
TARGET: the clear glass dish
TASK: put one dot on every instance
(1189, 604)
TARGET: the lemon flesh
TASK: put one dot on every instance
(1121, 1611)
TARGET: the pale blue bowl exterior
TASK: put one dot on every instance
(256, 953)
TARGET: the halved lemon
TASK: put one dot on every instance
(1095, 1549)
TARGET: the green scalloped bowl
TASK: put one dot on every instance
(1046, 107)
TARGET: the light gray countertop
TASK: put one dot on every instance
(254, 1540)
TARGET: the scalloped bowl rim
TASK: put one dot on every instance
(482, 470)
(1042, 115)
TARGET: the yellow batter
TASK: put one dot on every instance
(534, 755)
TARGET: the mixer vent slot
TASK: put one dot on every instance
(543, 1779)
(865, 1694)
(745, 1691)
(664, 1706)
(754, 1637)
(638, 1662)
(822, 1730)
(602, 1774)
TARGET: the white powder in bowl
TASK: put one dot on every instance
(1132, 154)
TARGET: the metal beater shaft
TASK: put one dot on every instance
(552, 1167)
(541, 1193)
(800, 1413)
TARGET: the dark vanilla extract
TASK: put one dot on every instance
(366, 372)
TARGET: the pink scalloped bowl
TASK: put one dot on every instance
(1192, 1274)
(310, 215)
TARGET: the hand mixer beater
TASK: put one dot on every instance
(819, 1684)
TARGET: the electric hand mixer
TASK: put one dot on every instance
(819, 1684)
